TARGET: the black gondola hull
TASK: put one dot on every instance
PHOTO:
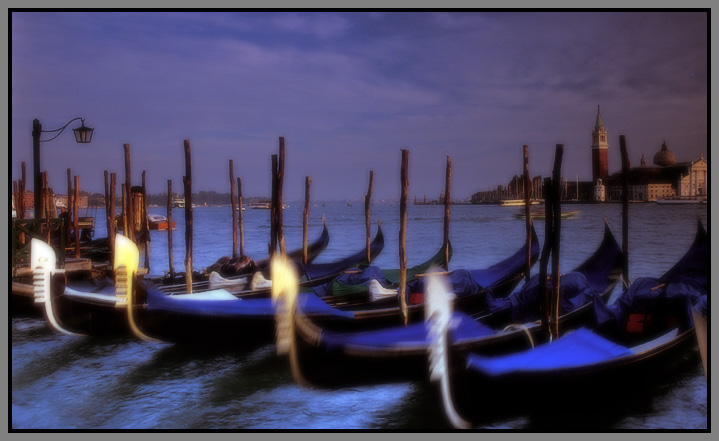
(609, 386)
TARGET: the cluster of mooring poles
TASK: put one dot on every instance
(552, 237)
(404, 189)
(135, 224)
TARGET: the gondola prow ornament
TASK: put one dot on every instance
(438, 316)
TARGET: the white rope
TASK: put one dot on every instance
(523, 328)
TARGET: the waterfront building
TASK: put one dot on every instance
(665, 178)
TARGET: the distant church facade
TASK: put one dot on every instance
(665, 178)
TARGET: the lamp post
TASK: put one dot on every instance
(83, 135)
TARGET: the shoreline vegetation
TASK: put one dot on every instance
(215, 199)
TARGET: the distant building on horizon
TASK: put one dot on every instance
(666, 178)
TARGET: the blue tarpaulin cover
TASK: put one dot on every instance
(413, 335)
(579, 348)
(649, 295)
(678, 289)
(313, 306)
(263, 307)
(523, 305)
(672, 295)
(462, 282)
(588, 281)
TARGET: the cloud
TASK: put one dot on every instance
(321, 25)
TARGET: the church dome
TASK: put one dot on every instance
(664, 157)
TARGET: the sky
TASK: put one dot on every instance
(348, 91)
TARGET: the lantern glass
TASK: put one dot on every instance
(83, 135)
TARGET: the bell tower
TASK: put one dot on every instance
(600, 149)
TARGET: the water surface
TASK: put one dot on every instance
(67, 382)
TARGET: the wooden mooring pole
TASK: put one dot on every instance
(241, 217)
(367, 204)
(527, 213)
(69, 206)
(556, 236)
(112, 224)
(124, 211)
(46, 204)
(169, 229)
(187, 180)
(107, 203)
(273, 210)
(75, 217)
(306, 219)
(233, 204)
(280, 183)
(22, 185)
(447, 205)
(545, 305)
(145, 224)
(128, 205)
(625, 210)
(404, 185)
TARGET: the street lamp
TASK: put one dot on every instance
(83, 135)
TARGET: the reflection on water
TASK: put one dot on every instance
(67, 382)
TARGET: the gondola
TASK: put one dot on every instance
(499, 278)
(354, 286)
(257, 285)
(640, 339)
(240, 267)
(331, 358)
(100, 306)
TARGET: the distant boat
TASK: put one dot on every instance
(264, 205)
(682, 200)
(540, 214)
(261, 205)
(515, 203)
(158, 222)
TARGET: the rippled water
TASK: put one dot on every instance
(66, 382)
